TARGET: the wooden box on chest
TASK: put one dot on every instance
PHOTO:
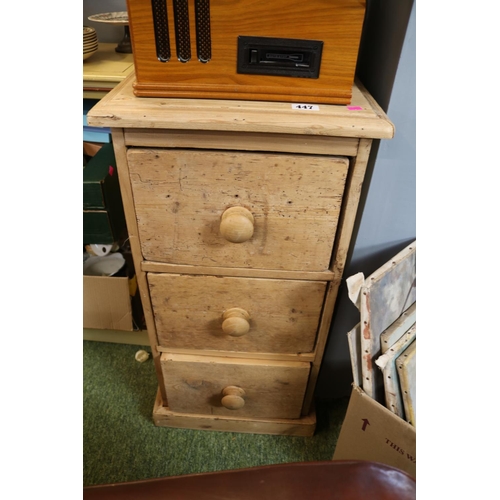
(246, 49)
(240, 216)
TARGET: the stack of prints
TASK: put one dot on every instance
(383, 345)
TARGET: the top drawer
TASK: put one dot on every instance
(284, 209)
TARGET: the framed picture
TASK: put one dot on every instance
(407, 368)
(354, 341)
(388, 365)
(392, 334)
(381, 299)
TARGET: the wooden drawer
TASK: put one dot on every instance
(271, 389)
(181, 199)
(208, 312)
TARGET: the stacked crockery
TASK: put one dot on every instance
(90, 43)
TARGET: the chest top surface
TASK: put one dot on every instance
(363, 118)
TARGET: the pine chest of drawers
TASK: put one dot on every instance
(240, 216)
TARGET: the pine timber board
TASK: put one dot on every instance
(363, 118)
(254, 141)
(283, 314)
(242, 272)
(181, 194)
(164, 417)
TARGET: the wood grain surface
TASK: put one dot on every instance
(180, 196)
(337, 23)
(284, 314)
(273, 389)
(364, 118)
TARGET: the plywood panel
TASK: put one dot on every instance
(303, 426)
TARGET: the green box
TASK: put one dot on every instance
(99, 228)
(100, 180)
(103, 216)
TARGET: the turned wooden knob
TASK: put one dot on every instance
(235, 322)
(236, 224)
(232, 397)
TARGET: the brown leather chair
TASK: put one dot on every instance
(331, 480)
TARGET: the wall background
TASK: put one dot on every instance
(387, 218)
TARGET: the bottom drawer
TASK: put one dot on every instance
(234, 387)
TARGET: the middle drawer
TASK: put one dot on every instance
(236, 314)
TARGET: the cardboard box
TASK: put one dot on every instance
(100, 227)
(372, 432)
(90, 149)
(107, 303)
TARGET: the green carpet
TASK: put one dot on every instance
(121, 443)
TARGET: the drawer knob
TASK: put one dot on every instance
(236, 224)
(235, 322)
(233, 397)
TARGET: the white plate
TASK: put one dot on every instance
(107, 265)
(110, 18)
